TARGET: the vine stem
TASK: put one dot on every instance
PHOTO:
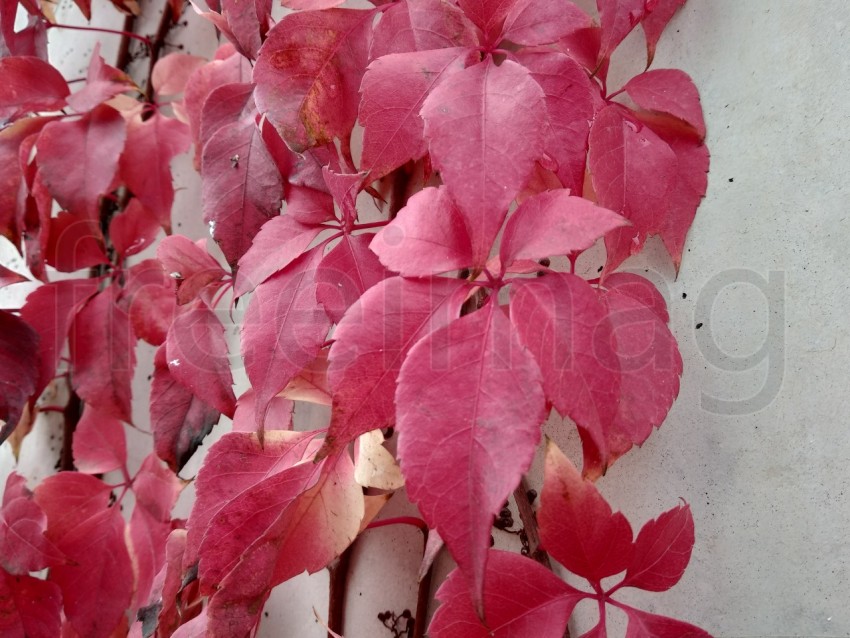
(338, 571)
(423, 597)
(73, 410)
(126, 34)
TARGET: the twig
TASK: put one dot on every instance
(338, 571)
(73, 411)
(423, 598)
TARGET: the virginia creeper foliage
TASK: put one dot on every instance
(385, 190)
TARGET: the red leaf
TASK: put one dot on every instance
(98, 581)
(147, 537)
(280, 241)
(633, 173)
(19, 372)
(668, 91)
(103, 82)
(469, 407)
(149, 300)
(655, 21)
(345, 273)
(370, 345)
(103, 355)
(168, 583)
(521, 598)
(156, 488)
(618, 18)
(75, 242)
(308, 74)
(29, 607)
(23, 546)
(248, 22)
(662, 551)
(536, 22)
(309, 206)
(233, 466)
(569, 104)
(95, 142)
(650, 367)
(489, 16)
(28, 84)
(486, 170)
(643, 624)
(284, 328)
(99, 445)
(278, 417)
(179, 420)
(146, 162)
(311, 5)
(421, 25)
(289, 523)
(561, 320)
(572, 225)
(198, 358)
(50, 310)
(427, 237)
(242, 187)
(190, 265)
(640, 289)
(577, 526)
(133, 229)
(394, 88)
(226, 105)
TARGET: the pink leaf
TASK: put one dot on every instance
(521, 598)
(156, 488)
(668, 91)
(29, 84)
(569, 103)
(618, 18)
(284, 328)
(147, 537)
(227, 105)
(189, 265)
(311, 5)
(29, 607)
(103, 82)
(394, 88)
(471, 138)
(577, 526)
(289, 523)
(234, 465)
(50, 309)
(179, 420)
(650, 367)
(103, 355)
(311, 99)
(469, 406)
(561, 320)
(23, 546)
(168, 583)
(421, 25)
(248, 22)
(99, 445)
(572, 225)
(655, 21)
(633, 172)
(662, 551)
(642, 624)
(278, 417)
(242, 187)
(280, 241)
(75, 242)
(19, 372)
(370, 345)
(198, 358)
(536, 22)
(69, 499)
(343, 187)
(9, 277)
(146, 162)
(171, 72)
(95, 142)
(427, 237)
(639, 289)
(309, 206)
(345, 273)
(133, 229)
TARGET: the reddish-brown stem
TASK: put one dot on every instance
(165, 23)
(370, 225)
(338, 571)
(529, 523)
(423, 597)
(400, 520)
(73, 27)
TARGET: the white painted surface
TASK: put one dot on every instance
(765, 273)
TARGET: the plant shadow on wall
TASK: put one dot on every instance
(465, 109)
